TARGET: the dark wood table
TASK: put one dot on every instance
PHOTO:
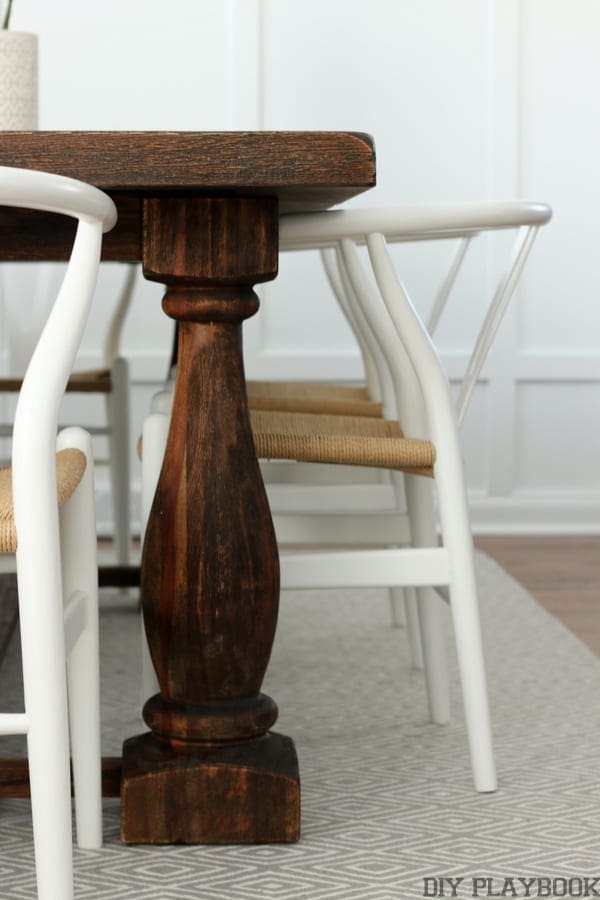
(200, 210)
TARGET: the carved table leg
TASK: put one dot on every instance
(209, 771)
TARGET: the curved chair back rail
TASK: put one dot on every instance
(29, 189)
(408, 223)
(342, 230)
(56, 562)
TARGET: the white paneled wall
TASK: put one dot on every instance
(471, 99)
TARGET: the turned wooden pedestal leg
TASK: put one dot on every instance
(209, 771)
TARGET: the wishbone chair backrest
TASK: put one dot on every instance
(345, 229)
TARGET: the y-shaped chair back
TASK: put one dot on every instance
(338, 233)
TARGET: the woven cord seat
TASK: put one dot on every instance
(343, 440)
(312, 397)
(70, 468)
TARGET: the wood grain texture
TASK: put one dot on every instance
(14, 777)
(210, 572)
(37, 236)
(562, 573)
(236, 794)
(304, 170)
(210, 580)
(238, 244)
(223, 160)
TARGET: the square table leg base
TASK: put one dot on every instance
(240, 794)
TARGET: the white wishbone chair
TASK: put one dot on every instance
(56, 550)
(424, 405)
(422, 400)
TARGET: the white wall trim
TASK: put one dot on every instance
(552, 513)
(551, 366)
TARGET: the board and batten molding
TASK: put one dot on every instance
(497, 117)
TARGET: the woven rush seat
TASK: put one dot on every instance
(343, 440)
(93, 381)
(312, 397)
(70, 467)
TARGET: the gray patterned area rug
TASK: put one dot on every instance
(387, 798)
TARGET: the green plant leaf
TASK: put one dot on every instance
(7, 12)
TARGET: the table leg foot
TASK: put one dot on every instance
(187, 794)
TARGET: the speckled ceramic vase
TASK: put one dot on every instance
(18, 81)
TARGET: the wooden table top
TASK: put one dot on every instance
(306, 170)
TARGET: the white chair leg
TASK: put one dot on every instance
(397, 607)
(117, 412)
(399, 597)
(467, 630)
(154, 440)
(463, 602)
(410, 604)
(431, 611)
(80, 575)
(50, 782)
(45, 690)
(413, 628)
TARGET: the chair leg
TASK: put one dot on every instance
(80, 576)
(456, 535)
(405, 614)
(410, 603)
(413, 628)
(463, 602)
(419, 502)
(154, 439)
(117, 411)
(399, 597)
(50, 783)
(398, 607)
(45, 691)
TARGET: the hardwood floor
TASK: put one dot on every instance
(562, 573)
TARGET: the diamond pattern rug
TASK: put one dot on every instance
(387, 798)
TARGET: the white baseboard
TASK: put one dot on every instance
(573, 513)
